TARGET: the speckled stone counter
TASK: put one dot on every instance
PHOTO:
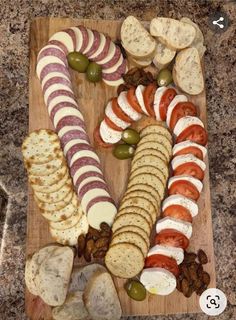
(15, 18)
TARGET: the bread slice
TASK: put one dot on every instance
(101, 299)
(142, 63)
(136, 39)
(54, 274)
(172, 33)
(72, 309)
(81, 275)
(163, 56)
(187, 72)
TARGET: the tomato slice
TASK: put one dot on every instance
(195, 133)
(98, 140)
(111, 124)
(193, 150)
(172, 238)
(131, 97)
(181, 110)
(190, 169)
(166, 99)
(148, 97)
(185, 188)
(179, 212)
(119, 112)
(161, 261)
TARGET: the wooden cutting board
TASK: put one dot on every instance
(92, 100)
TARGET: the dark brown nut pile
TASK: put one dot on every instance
(96, 243)
(192, 277)
(134, 77)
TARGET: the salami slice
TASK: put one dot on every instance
(54, 67)
(73, 134)
(60, 45)
(65, 38)
(52, 50)
(53, 75)
(59, 106)
(85, 161)
(65, 112)
(73, 37)
(70, 121)
(97, 200)
(85, 36)
(96, 43)
(92, 185)
(116, 75)
(58, 93)
(56, 80)
(104, 51)
(61, 99)
(55, 87)
(76, 148)
(86, 175)
(114, 59)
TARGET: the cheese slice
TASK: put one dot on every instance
(197, 183)
(177, 99)
(139, 95)
(108, 134)
(53, 75)
(43, 62)
(90, 41)
(186, 144)
(101, 211)
(171, 223)
(79, 38)
(87, 180)
(65, 112)
(84, 153)
(60, 98)
(72, 143)
(100, 48)
(186, 158)
(64, 38)
(55, 87)
(110, 54)
(92, 194)
(113, 117)
(85, 169)
(126, 107)
(172, 252)
(157, 99)
(186, 122)
(180, 200)
(116, 65)
(66, 129)
(114, 83)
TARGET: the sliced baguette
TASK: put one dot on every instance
(140, 62)
(163, 56)
(136, 39)
(172, 33)
(187, 71)
(101, 299)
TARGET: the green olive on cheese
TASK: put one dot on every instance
(123, 151)
(94, 72)
(164, 77)
(130, 136)
(135, 290)
(78, 61)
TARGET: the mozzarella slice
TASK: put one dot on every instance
(84, 153)
(79, 38)
(90, 41)
(177, 99)
(87, 180)
(115, 83)
(110, 54)
(53, 75)
(157, 99)
(60, 99)
(185, 144)
(43, 62)
(100, 48)
(65, 129)
(185, 202)
(197, 183)
(186, 122)
(72, 143)
(85, 169)
(65, 112)
(114, 68)
(172, 252)
(108, 134)
(55, 87)
(101, 211)
(64, 38)
(92, 194)
(176, 224)
(139, 95)
(113, 117)
(158, 281)
(185, 158)
(126, 107)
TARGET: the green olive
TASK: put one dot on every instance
(78, 61)
(94, 72)
(123, 151)
(130, 136)
(135, 290)
(164, 77)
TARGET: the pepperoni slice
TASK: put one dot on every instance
(166, 99)
(148, 97)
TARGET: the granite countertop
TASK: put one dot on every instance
(15, 18)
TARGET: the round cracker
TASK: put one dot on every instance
(152, 191)
(56, 205)
(154, 145)
(47, 168)
(143, 194)
(149, 169)
(68, 223)
(134, 229)
(56, 196)
(132, 219)
(147, 152)
(52, 188)
(156, 128)
(50, 179)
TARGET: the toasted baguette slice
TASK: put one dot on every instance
(187, 71)
(173, 33)
(72, 309)
(136, 39)
(139, 62)
(53, 277)
(163, 56)
(101, 299)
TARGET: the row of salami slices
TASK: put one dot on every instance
(68, 121)
(95, 45)
(162, 103)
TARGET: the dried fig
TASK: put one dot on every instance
(201, 290)
(206, 278)
(105, 234)
(189, 257)
(184, 270)
(81, 244)
(93, 233)
(102, 242)
(105, 227)
(202, 257)
(184, 286)
(178, 285)
(192, 272)
(99, 254)
(197, 284)
(121, 88)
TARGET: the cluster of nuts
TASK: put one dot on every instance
(95, 243)
(192, 277)
(134, 77)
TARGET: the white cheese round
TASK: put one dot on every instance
(177, 99)
(185, 202)
(186, 122)
(197, 183)
(171, 223)
(185, 144)
(126, 107)
(172, 252)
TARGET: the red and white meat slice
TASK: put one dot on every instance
(197, 183)
(61, 79)
(51, 75)
(117, 74)
(157, 100)
(179, 160)
(139, 95)
(67, 111)
(79, 38)
(90, 41)
(113, 117)
(72, 143)
(178, 147)
(52, 50)
(72, 135)
(46, 61)
(95, 45)
(127, 108)
(56, 87)
(180, 200)
(112, 57)
(186, 122)
(66, 129)
(171, 223)
(177, 99)
(81, 146)
(54, 67)
(108, 134)
(65, 38)
(115, 67)
(158, 281)
(85, 170)
(102, 50)
(70, 120)
(172, 252)
(84, 153)
(89, 177)
(61, 100)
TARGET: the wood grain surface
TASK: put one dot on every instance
(92, 100)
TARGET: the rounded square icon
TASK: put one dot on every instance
(213, 301)
(218, 22)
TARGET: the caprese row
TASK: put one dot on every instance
(162, 103)
(95, 45)
(83, 162)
